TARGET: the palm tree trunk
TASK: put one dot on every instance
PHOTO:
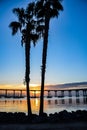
(44, 57)
(27, 78)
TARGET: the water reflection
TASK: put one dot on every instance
(77, 101)
(70, 100)
(56, 101)
(49, 102)
(50, 105)
(63, 101)
(85, 100)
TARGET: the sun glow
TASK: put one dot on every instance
(34, 85)
(19, 86)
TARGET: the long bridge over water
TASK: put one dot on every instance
(21, 93)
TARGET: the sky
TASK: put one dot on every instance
(67, 47)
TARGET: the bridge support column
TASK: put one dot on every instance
(49, 95)
(34, 93)
(70, 94)
(20, 93)
(85, 99)
(55, 93)
(62, 93)
(77, 93)
(6, 94)
(84, 93)
(14, 93)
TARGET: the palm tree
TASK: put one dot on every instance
(46, 9)
(26, 26)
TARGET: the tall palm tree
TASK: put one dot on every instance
(46, 9)
(26, 26)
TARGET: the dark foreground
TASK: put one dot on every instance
(58, 121)
(61, 117)
(45, 126)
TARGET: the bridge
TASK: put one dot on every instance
(21, 93)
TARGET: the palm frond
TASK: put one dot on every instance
(57, 5)
(34, 38)
(15, 26)
(30, 7)
(40, 21)
(39, 8)
(30, 11)
(54, 13)
(40, 29)
(20, 12)
(39, 5)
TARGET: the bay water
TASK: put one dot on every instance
(51, 105)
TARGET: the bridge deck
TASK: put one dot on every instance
(18, 93)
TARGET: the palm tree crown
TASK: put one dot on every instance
(25, 24)
(50, 8)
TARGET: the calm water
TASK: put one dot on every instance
(51, 105)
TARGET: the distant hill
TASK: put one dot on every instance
(67, 85)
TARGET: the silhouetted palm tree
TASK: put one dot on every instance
(46, 9)
(26, 26)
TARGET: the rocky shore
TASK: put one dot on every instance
(61, 117)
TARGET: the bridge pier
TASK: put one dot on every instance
(20, 93)
(14, 93)
(70, 94)
(84, 93)
(49, 95)
(77, 93)
(34, 93)
(6, 94)
(85, 99)
(62, 93)
(55, 93)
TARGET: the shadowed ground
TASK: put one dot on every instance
(46, 126)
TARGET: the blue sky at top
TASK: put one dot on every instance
(67, 49)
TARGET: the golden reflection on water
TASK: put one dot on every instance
(13, 106)
(17, 105)
(50, 105)
(35, 103)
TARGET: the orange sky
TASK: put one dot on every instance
(18, 86)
